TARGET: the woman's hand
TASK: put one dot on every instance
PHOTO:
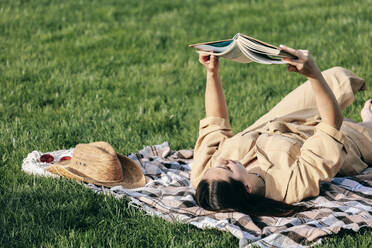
(210, 62)
(304, 64)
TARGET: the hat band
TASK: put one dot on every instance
(84, 177)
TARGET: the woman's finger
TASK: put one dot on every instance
(204, 58)
(302, 54)
(289, 49)
(289, 61)
(213, 58)
(201, 61)
(292, 68)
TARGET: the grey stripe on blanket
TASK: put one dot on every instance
(343, 203)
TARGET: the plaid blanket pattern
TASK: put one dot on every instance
(343, 203)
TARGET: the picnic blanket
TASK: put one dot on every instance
(343, 203)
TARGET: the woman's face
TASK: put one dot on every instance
(226, 169)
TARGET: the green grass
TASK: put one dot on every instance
(120, 71)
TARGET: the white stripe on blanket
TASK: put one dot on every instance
(345, 202)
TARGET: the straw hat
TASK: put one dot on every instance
(98, 163)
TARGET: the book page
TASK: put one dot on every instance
(236, 54)
(233, 55)
(259, 57)
(227, 49)
(257, 46)
(214, 46)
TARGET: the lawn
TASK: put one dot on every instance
(78, 71)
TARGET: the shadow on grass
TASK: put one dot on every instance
(43, 212)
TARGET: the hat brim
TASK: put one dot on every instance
(133, 176)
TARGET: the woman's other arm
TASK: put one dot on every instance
(215, 128)
(215, 103)
(326, 102)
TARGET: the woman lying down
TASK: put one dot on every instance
(284, 155)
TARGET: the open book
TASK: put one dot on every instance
(244, 49)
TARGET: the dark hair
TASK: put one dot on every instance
(232, 196)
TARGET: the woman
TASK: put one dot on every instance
(283, 156)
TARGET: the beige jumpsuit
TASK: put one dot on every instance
(293, 148)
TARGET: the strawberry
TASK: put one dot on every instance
(65, 158)
(47, 158)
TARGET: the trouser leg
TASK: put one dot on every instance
(343, 83)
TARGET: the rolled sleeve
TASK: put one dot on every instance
(320, 159)
(213, 124)
(331, 131)
(213, 131)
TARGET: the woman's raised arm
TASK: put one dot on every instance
(215, 103)
(326, 102)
